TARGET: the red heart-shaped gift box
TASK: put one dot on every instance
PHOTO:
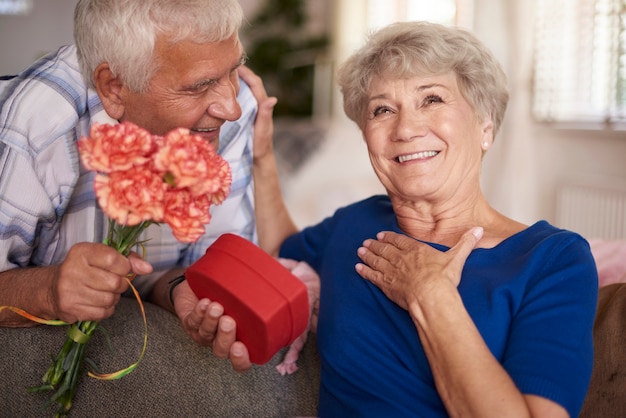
(269, 303)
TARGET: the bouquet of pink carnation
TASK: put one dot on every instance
(141, 179)
(144, 179)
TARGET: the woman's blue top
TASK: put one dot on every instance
(532, 297)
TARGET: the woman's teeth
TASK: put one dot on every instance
(417, 156)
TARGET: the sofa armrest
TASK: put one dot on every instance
(607, 392)
(175, 378)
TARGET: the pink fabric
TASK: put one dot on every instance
(610, 257)
(310, 278)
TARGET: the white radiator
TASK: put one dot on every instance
(592, 212)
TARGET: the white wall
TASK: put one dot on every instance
(521, 172)
(23, 39)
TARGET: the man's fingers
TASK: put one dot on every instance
(226, 335)
(239, 357)
(193, 321)
(139, 265)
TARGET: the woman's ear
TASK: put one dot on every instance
(110, 90)
(486, 133)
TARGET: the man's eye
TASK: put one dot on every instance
(202, 86)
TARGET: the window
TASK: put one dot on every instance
(15, 7)
(580, 62)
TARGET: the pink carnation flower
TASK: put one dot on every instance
(115, 147)
(225, 179)
(186, 214)
(192, 163)
(132, 196)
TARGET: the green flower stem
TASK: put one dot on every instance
(63, 374)
(123, 238)
(72, 378)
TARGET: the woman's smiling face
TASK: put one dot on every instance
(424, 139)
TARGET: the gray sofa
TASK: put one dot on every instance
(179, 379)
(176, 378)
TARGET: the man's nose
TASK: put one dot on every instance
(225, 105)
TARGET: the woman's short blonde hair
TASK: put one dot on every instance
(407, 49)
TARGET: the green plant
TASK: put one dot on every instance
(284, 53)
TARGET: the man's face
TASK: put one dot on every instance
(195, 86)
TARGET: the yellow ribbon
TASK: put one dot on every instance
(121, 373)
(32, 317)
(78, 336)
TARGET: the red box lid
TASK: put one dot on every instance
(269, 304)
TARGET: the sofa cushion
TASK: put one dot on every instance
(175, 378)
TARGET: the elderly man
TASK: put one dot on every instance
(160, 65)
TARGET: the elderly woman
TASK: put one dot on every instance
(453, 308)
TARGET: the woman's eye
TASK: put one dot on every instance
(381, 110)
(433, 98)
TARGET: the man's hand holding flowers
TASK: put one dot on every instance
(90, 281)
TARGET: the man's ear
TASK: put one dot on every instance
(110, 90)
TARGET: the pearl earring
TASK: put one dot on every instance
(485, 144)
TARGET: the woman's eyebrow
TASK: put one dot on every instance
(418, 89)
(429, 86)
(378, 96)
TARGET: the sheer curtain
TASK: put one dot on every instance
(509, 178)
(580, 62)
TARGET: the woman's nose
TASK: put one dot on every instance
(225, 105)
(409, 125)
